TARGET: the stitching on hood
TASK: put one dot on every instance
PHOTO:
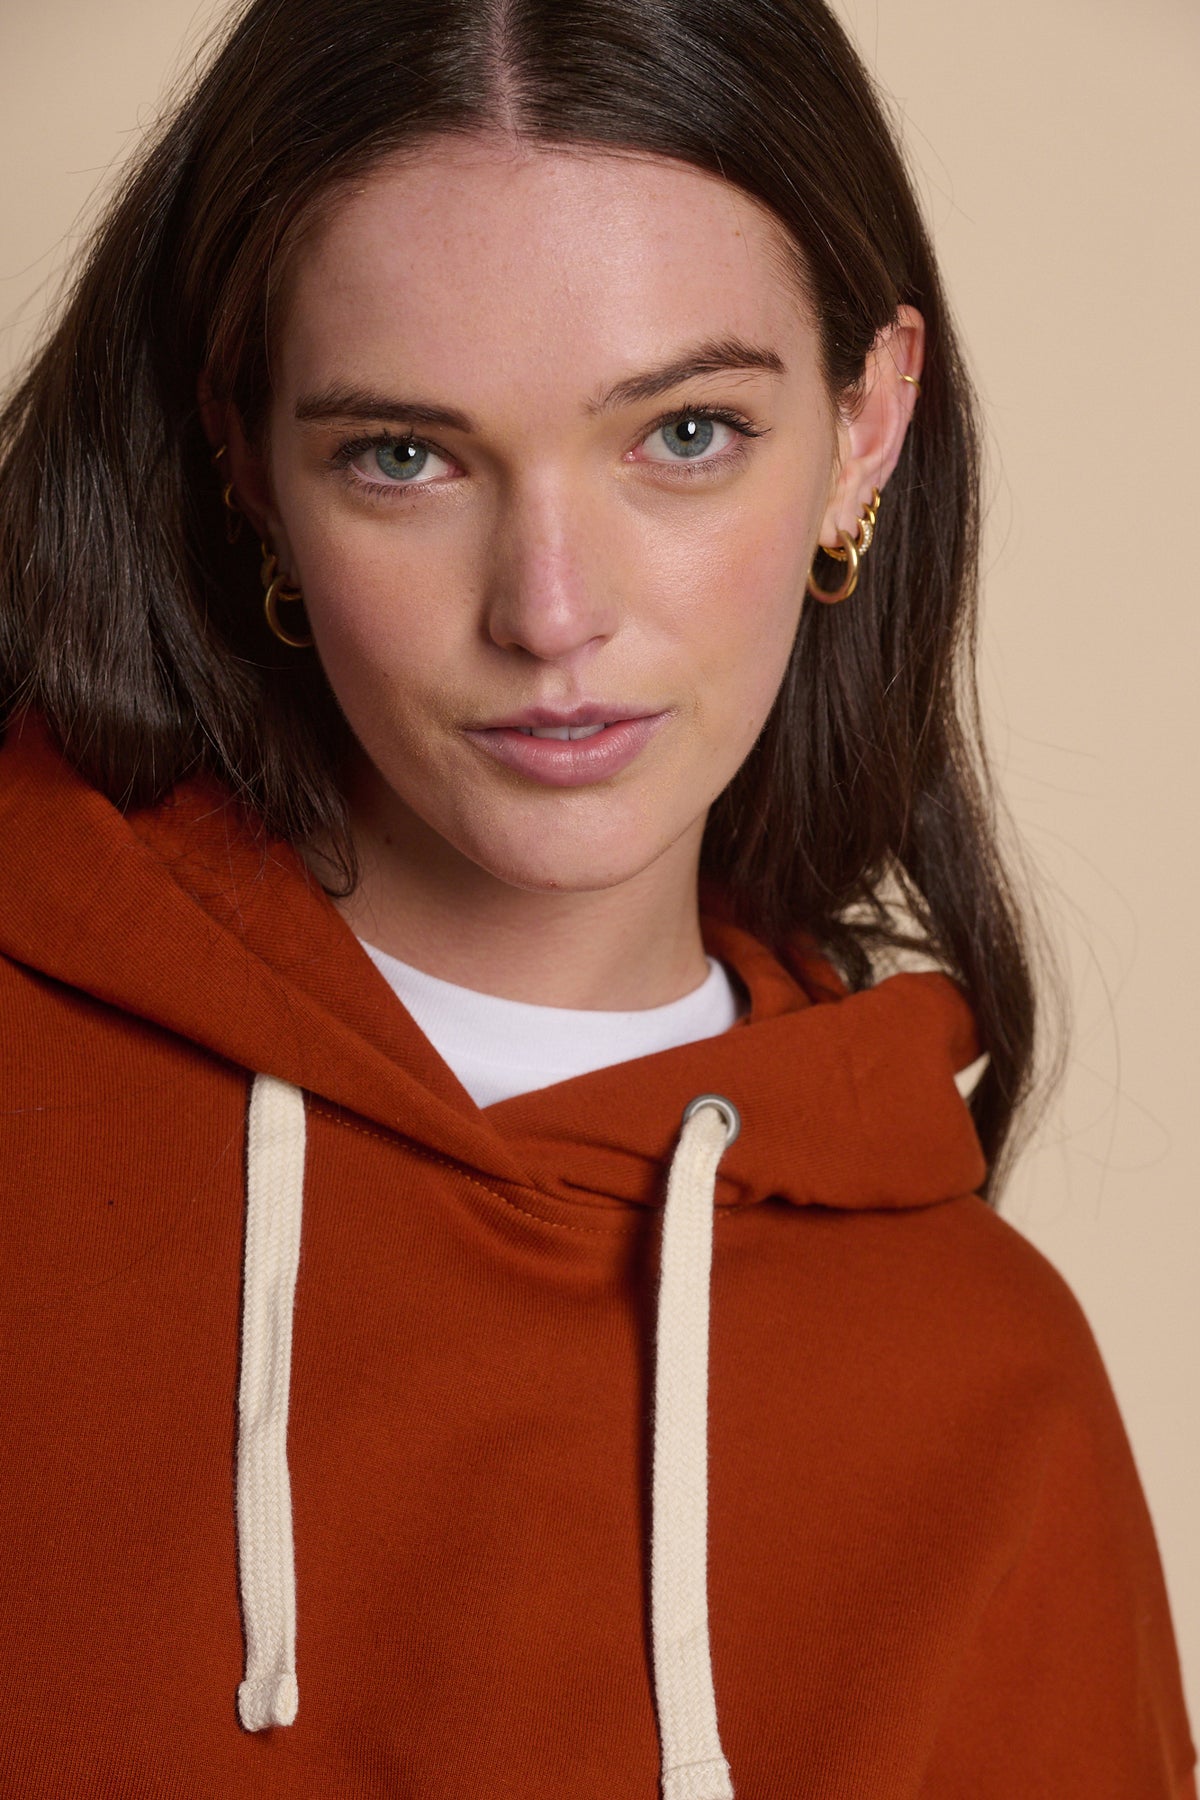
(445, 1162)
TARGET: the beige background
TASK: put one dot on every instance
(1056, 149)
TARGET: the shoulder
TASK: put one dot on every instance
(970, 1321)
(1013, 1316)
(1008, 1359)
(962, 1268)
(1073, 1630)
(994, 1275)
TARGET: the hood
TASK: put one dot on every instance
(188, 917)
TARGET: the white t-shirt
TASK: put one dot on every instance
(498, 1048)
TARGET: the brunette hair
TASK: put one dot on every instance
(135, 628)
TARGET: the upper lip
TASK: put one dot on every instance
(602, 712)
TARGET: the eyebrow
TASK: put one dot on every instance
(713, 356)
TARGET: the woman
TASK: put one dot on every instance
(489, 556)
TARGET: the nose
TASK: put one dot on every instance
(550, 591)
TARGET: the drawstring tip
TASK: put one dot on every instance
(268, 1700)
(708, 1780)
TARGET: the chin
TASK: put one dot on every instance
(566, 865)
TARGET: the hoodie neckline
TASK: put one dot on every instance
(796, 1067)
(189, 916)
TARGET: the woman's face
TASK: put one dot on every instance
(491, 469)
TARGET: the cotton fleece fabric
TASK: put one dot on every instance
(931, 1571)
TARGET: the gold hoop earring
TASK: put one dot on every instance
(912, 382)
(848, 553)
(852, 549)
(277, 590)
(233, 522)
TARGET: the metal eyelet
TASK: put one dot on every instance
(726, 1108)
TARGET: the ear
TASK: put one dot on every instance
(871, 439)
(243, 466)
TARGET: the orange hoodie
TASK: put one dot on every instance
(420, 1427)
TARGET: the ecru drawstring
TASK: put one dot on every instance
(266, 1557)
(693, 1764)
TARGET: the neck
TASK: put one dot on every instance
(621, 948)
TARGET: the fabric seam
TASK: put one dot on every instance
(446, 1162)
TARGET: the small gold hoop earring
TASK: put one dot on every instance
(912, 382)
(866, 529)
(849, 554)
(233, 521)
(852, 549)
(277, 590)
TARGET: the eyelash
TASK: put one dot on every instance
(345, 454)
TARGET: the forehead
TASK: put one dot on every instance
(546, 268)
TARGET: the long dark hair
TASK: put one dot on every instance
(133, 626)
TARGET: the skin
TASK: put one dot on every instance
(551, 555)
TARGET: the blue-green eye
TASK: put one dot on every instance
(382, 461)
(400, 461)
(688, 435)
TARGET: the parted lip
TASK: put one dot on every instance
(599, 712)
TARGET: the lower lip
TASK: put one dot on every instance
(570, 762)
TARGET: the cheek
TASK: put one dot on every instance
(387, 627)
(754, 583)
